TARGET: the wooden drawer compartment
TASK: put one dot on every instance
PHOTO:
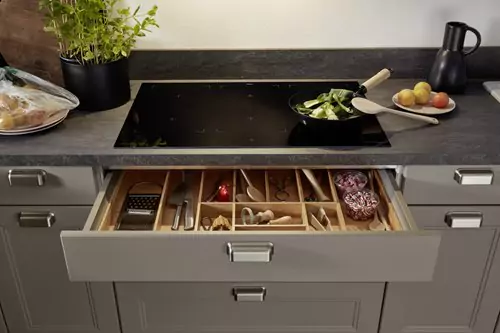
(294, 251)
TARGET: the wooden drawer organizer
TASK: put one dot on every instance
(203, 183)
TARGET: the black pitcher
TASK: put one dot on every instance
(449, 72)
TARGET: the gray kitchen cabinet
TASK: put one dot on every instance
(498, 325)
(35, 292)
(3, 328)
(465, 293)
(285, 307)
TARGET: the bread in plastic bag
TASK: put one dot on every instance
(27, 101)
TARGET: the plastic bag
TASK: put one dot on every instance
(27, 101)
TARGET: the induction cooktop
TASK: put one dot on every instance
(232, 115)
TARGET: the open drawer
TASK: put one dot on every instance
(343, 250)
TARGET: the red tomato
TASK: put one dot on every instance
(224, 194)
(441, 100)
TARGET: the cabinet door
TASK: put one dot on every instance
(3, 329)
(35, 292)
(464, 295)
(266, 307)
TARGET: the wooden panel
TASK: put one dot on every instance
(210, 307)
(23, 42)
(35, 292)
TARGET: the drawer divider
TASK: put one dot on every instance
(266, 182)
(333, 190)
(340, 216)
(163, 199)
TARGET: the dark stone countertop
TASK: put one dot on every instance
(470, 135)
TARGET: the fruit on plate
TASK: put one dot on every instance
(406, 97)
(423, 85)
(6, 121)
(440, 100)
(422, 96)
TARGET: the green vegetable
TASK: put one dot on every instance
(334, 105)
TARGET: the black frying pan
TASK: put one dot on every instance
(3, 63)
(350, 125)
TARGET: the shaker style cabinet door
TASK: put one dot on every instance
(35, 292)
(243, 307)
(465, 293)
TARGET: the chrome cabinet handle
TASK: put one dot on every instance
(249, 294)
(250, 252)
(30, 177)
(473, 177)
(464, 219)
(36, 219)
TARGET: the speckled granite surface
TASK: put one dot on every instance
(470, 135)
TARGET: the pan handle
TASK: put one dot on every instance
(376, 80)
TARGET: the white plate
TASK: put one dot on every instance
(426, 109)
(34, 129)
(48, 123)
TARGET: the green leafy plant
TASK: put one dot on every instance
(95, 31)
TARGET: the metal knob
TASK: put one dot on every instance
(36, 219)
(27, 177)
(250, 252)
(464, 219)
(249, 294)
(473, 177)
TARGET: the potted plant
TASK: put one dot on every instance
(95, 38)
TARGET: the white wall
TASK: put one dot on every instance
(277, 24)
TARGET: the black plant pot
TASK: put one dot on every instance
(98, 87)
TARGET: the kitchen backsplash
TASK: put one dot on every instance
(189, 25)
(310, 24)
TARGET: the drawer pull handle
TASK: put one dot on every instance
(464, 219)
(249, 294)
(250, 252)
(473, 177)
(35, 177)
(36, 219)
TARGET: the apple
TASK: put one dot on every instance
(440, 100)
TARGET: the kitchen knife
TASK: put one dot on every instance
(177, 199)
(188, 213)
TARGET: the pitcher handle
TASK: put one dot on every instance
(478, 43)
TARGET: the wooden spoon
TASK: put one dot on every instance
(369, 107)
(252, 191)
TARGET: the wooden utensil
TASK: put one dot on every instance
(315, 185)
(252, 191)
(370, 107)
(282, 220)
(313, 221)
(243, 198)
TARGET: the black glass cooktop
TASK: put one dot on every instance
(226, 115)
